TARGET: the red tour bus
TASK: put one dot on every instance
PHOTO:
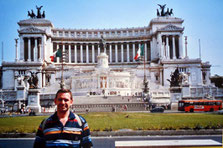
(199, 105)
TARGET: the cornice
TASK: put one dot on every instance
(166, 20)
(130, 38)
(102, 30)
(181, 61)
(21, 64)
(35, 22)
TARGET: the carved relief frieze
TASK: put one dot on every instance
(32, 30)
(171, 27)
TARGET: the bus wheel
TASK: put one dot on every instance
(191, 110)
(211, 110)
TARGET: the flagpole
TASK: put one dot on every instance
(145, 80)
(62, 80)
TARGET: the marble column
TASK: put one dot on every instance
(63, 60)
(44, 79)
(110, 52)
(16, 50)
(29, 49)
(39, 75)
(93, 54)
(122, 53)
(162, 51)
(174, 48)
(133, 50)
(180, 47)
(35, 50)
(43, 47)
(145, 47)
(150, 50)
(139, 46)
(167, 48)
(21, 48)
(99, 49)
(116, 53)
(69, 50)
(128, 56)
(87, 53)
(81, 53)
(75, 53)
(159, 45)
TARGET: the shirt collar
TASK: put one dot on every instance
(70, 117)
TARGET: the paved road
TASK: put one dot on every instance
(104, 142)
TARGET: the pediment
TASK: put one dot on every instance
(171, 27)
(32, 30)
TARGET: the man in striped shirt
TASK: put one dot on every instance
(63, 128)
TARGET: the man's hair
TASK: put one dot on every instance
(64, 91)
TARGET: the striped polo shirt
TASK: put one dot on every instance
(51, 133)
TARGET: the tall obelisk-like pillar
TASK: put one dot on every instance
(16, 50)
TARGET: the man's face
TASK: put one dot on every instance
(63, 102)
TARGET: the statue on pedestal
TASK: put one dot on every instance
(33, 80)
(176, 79)
(20, 81)
(102, 43)
(184, 77)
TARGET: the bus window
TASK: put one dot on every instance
(181, 104)
(187, 103)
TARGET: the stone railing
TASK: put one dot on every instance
(109, 107)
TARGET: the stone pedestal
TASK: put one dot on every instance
(175, 96)
(20, 96)
(185, 91)
(21, 93)
(34, 100)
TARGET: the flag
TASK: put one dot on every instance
(57, 53)
(140, 52)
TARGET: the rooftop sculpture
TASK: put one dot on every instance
(39, 15)
(169, 12)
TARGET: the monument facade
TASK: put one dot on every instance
(100, 62)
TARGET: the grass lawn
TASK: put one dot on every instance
(122, 120)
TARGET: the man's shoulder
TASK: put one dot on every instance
(82, 118)
(49, 119)
(78, 118)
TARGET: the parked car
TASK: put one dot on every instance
(220, 112)
(157, 110)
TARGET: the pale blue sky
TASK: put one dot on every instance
(203, 19)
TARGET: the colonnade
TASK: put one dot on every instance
(118, 52)
(172, 47)
(32, 48)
